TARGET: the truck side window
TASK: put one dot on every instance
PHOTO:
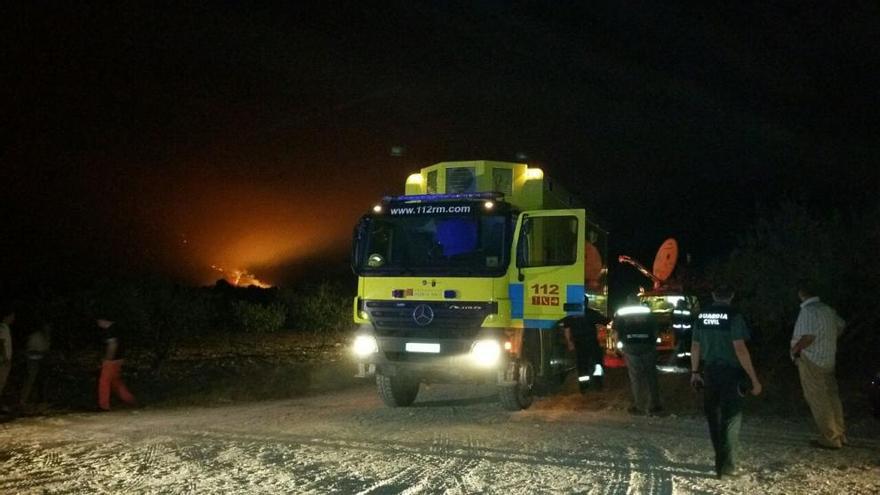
(548, 241)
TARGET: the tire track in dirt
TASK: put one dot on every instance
(614, 465)
(407, 478)
(341, 444)
(619, 475)
(645, 477)
(144, 463)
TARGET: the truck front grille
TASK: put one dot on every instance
(430, 320)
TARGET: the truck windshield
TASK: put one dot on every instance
(425, 245)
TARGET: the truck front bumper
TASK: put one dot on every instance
(441, 360)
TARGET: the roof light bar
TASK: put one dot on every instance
(440, 197)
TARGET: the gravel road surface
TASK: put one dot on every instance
(454, 440)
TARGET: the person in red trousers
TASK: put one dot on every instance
(111, 366)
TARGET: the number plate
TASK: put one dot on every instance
(422, 347)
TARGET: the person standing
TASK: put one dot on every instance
(719, 352)
(581, 337)
(636, 330)
(36, 350)
(111, 366)
(7, 318)
(813, 349)
(682, 325)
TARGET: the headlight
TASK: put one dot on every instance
(486, 353)
(364, 345)
(620, 344)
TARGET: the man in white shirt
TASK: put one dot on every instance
(7, 318)
(813, 349)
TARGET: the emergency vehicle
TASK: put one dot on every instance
(668, 302)
(464, 277)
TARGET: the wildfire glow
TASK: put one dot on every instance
(240, 278)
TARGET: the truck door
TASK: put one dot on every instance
(547, 280)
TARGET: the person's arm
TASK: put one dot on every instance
(804, 329)
(568, 340)
(696, 377)
(110, 353)
(695, 356)
(745, 360)
(841, 324)
(6, 344)
(802, 343)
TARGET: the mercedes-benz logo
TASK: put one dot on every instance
(423, 315)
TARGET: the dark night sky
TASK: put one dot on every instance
(252, 137)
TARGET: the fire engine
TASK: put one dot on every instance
(464, 277)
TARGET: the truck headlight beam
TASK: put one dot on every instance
(365, 345)
(486, 353)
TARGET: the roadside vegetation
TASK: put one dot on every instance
(190, 344)
(158, 315)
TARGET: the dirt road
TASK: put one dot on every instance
(454, 440)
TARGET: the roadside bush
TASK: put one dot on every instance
(156, 313)
(325, 307)
(257, 318)
(839, 252)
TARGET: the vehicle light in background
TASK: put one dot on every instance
(486, 353)
(659, 340)
(362, 312)
(620, 345)
(364, 345)
(633, 310)
(488, 205)
(377, 209)
(673, 300)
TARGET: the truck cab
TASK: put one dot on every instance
(464, 277)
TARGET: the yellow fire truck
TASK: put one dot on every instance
(465, 276)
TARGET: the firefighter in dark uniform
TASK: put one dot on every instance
(722, 366)
(582, 338)
(637, 330)
(682, 325)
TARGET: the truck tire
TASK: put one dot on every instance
(397, 391)
(521, 394)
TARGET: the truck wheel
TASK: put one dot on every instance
(397, 391)
(520, 395)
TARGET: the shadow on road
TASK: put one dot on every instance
(470, 401)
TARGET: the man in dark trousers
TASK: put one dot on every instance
(582, 338)
(636, 330)
(720, 334)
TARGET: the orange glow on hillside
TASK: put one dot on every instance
(253, 231)
(240, 278)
